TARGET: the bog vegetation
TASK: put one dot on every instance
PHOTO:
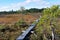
(50, 18)
(11, 32)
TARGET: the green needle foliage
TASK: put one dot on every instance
(48, 20)
(2, 27)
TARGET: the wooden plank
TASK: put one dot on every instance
(21, 37)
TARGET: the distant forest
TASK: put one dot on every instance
(32, 10)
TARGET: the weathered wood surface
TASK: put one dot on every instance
(25, 34)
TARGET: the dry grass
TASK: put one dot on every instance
(13, 18)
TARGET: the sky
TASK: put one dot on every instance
(6, 5)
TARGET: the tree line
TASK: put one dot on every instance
(23, 11)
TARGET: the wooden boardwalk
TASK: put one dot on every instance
(26, 34)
